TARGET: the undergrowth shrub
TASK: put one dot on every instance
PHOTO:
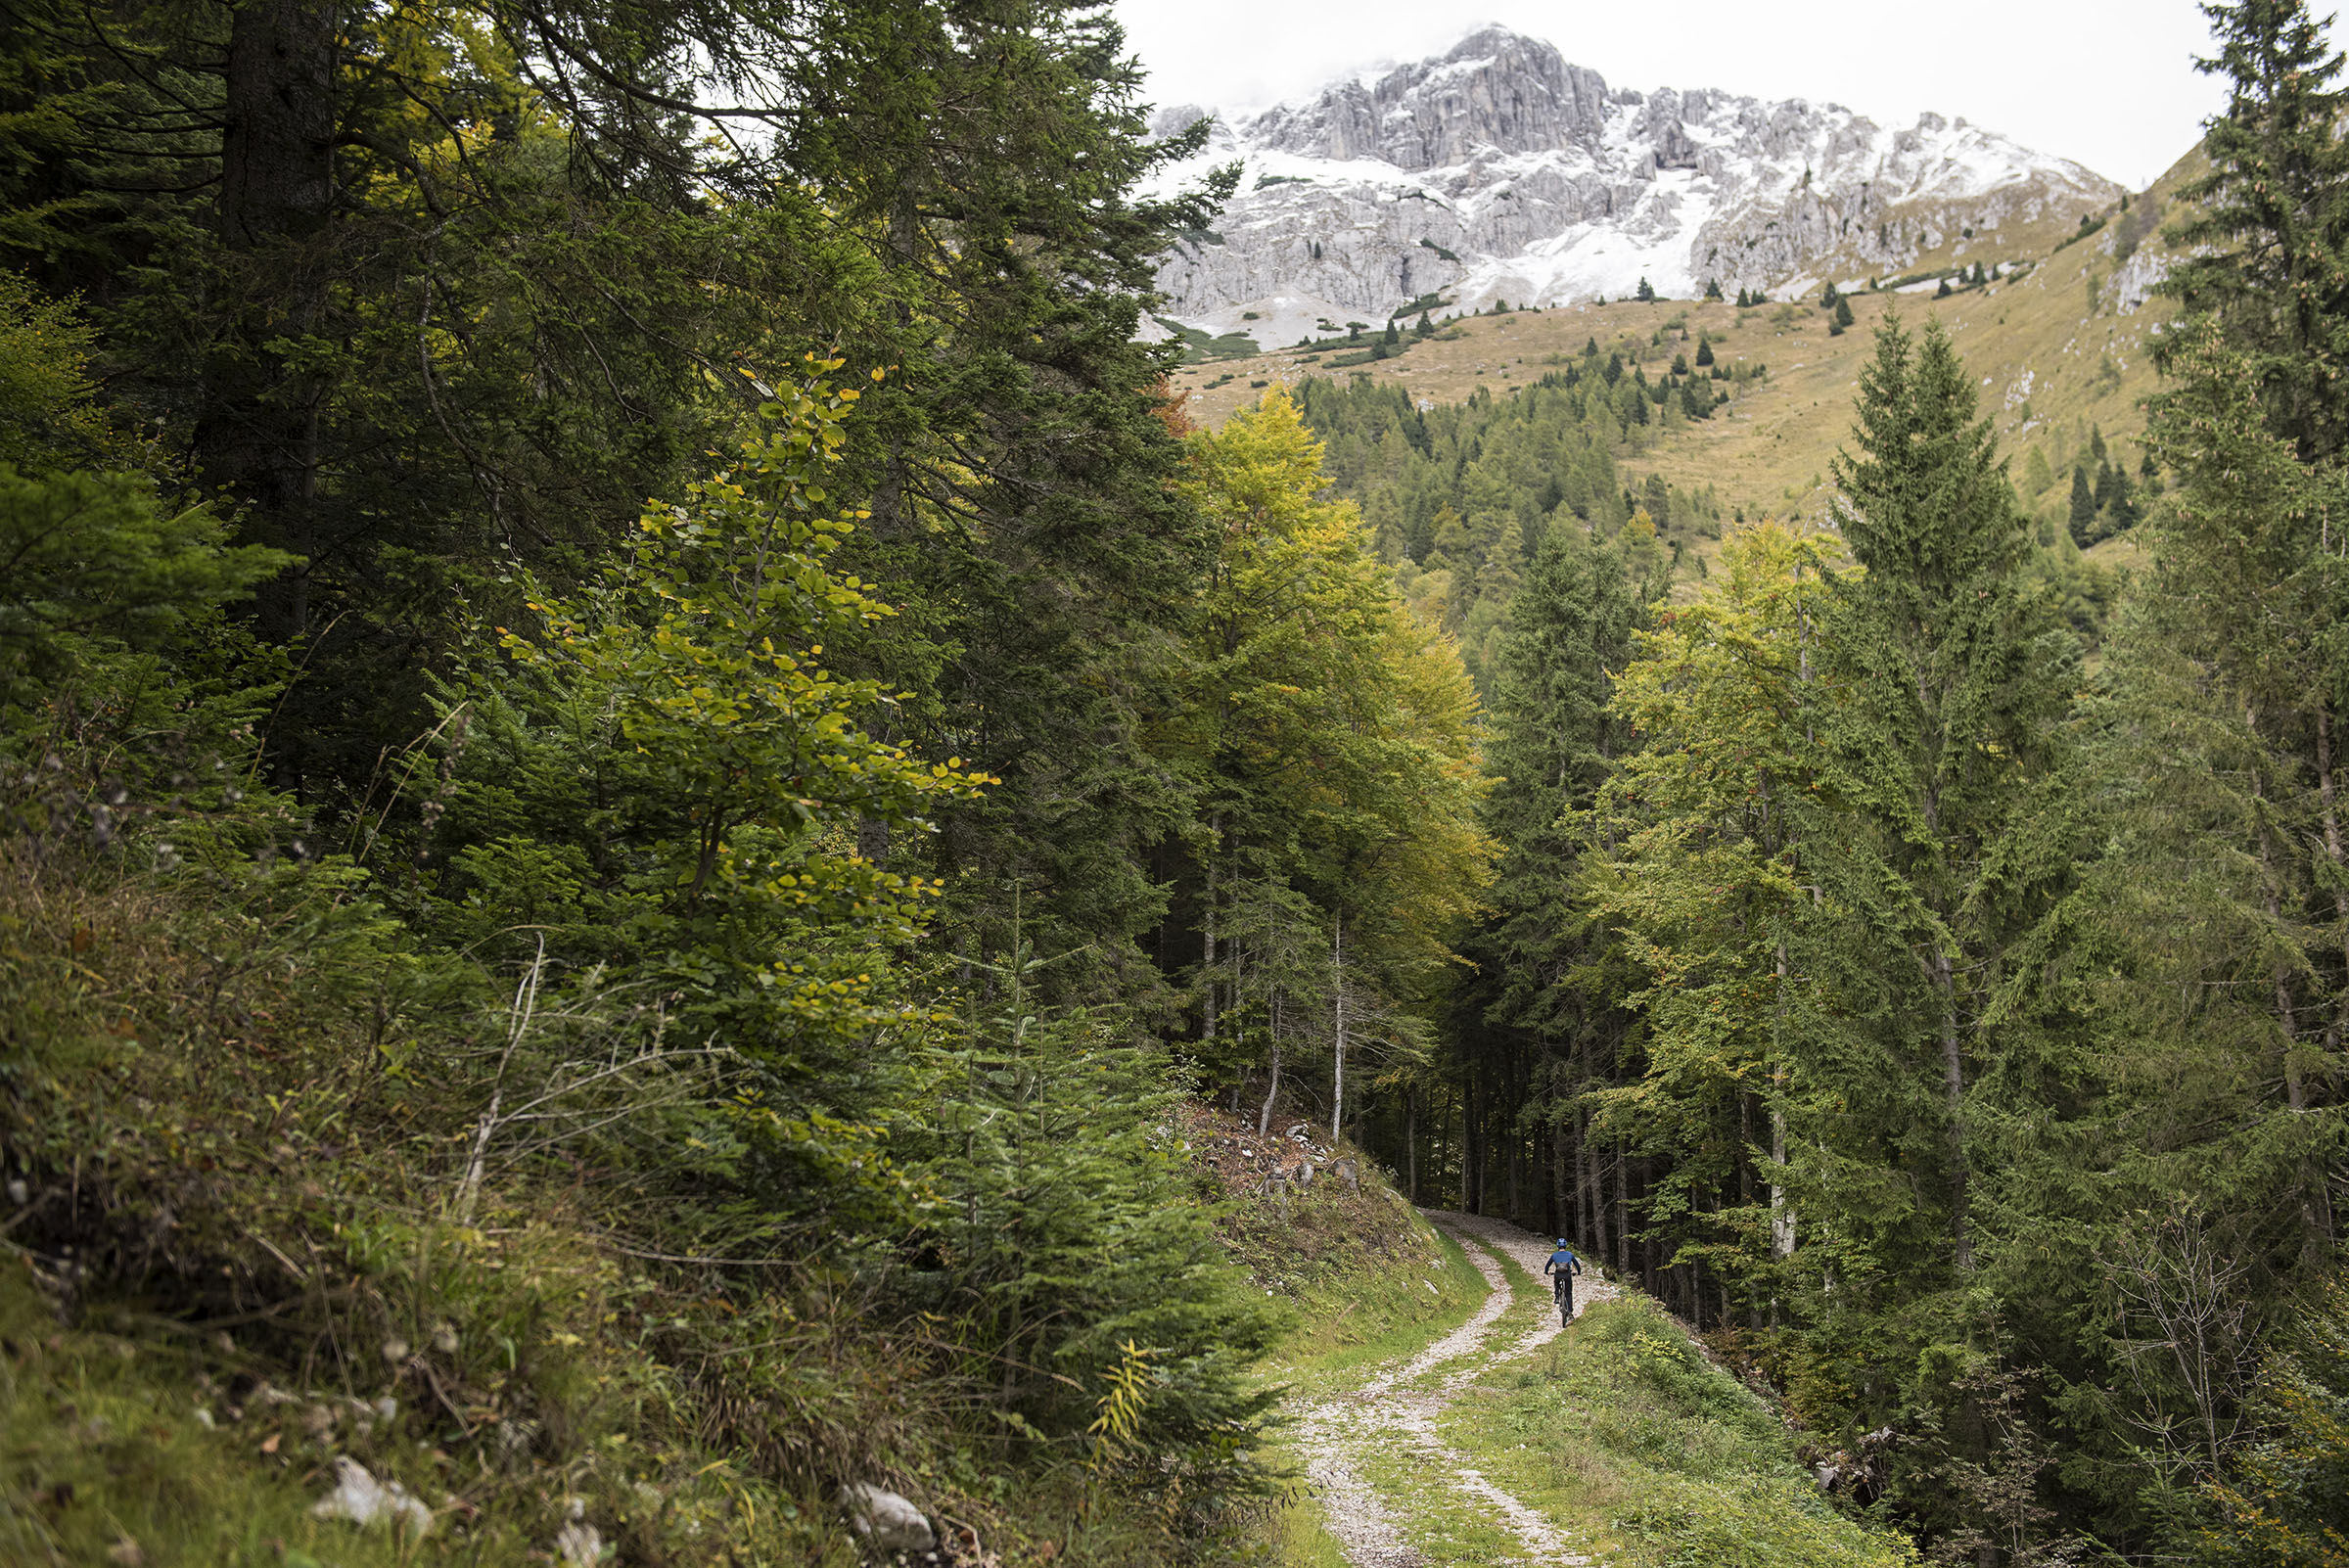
(563, 1131)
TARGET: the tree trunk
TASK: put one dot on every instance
(2295, 1092)
(1411, 1145)
(1207, 966)
(1337, 1087)
(1264, 1117)
(256, 431)
(1472, 1154)
(1623, 1214)
(2326, 794)
(1952, 1089)
(1594, 1196)
(1515, 1131)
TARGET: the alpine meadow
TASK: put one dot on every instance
(781, 784)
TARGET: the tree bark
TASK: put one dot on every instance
(1264, 1117)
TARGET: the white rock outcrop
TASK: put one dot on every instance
(884, 1521)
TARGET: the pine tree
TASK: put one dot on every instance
(1743, 300)
(1704, 353)
(1843, 311)
(1646, 294)
(1712, 288)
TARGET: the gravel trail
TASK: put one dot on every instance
(1396, 1409)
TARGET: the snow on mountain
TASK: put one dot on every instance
(1500, 171)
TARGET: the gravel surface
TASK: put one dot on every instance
(1397, 1408)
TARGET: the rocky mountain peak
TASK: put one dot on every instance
(1499, 169)
(1495, 90)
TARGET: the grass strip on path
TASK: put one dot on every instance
(1622, 1432)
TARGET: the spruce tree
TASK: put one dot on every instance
(1646, 292)
(2269, 233)
(1535, 1014)
(2083, 515)
(1953, 684)
(1704, 353)
(1712, 288)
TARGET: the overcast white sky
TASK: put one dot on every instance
(2109, 83)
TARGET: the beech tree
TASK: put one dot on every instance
(1331, 737)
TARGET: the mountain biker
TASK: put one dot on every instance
(1564, 1265)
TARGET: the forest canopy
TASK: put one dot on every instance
(647, 775)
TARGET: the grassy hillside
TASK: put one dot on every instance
(2060, 345)
(238, 1281)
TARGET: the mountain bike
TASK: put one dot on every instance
(1561, 1285)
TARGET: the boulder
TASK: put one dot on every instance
(884, 1521)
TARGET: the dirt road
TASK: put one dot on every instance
(1395, 1407)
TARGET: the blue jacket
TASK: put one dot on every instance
(1563, 1261)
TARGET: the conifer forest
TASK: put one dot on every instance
(682, 861)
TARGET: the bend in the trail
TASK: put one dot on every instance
(1395, 1408)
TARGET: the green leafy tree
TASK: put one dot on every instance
(1709, 825)
(1331, 734)
(2288, 1503)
